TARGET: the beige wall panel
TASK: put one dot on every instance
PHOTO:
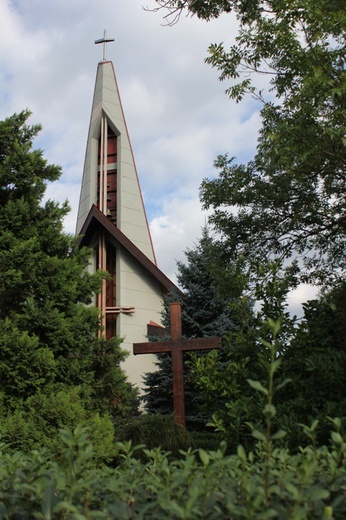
(142, 300)
(130, 187)
(88, 195)
(129, 200)
(134, 217)
(129, 179)
(141, 282)
(128, 264)
(97, 96)
(139, 237)
(136, 366)
(141, 291)
(125, 145)
(127, 157)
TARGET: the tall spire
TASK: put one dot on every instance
(112, 222)
(110, 179)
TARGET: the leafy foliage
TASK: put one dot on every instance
(281, 217)
(266, 482)
(315, 363)
(201, 484)
(311, 353)
(155, 431)
(289, 201)
(49, 351)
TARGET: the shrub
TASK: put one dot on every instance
(201, 484)
(155, 431)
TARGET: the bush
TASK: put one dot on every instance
(201, 484)
(41, 416)
(205, 440)
(155, 431)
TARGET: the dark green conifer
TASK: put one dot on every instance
(48, 327)
(204, 314)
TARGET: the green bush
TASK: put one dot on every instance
(36, 424)
(155, 431)
(201, 484)
(207, 440)
(267, 482)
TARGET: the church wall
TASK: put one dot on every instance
(138, 289)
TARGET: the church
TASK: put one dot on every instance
(112, 222)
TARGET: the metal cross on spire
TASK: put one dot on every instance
(104, 40)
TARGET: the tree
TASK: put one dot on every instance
(285, 209)
(204, 314)
(311, 357)
(223, 377)
(289, 201)
(48, 329)
(315, 363)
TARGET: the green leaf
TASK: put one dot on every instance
(292, 489)
(269, 410)
(280, 434)
(256, 385)
(275, 326)
(336, 437)
(283, 383)
(259, 435)
(49, 499)
(319, 494)
(275, 365)
(204, 456)
(241, 453)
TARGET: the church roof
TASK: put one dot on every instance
(96, 220)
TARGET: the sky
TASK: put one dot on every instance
(178, 116)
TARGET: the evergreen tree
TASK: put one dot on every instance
(204, 314)
(53, 368)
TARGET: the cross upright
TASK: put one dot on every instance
(176, 346)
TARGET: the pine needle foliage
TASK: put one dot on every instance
(54, 371)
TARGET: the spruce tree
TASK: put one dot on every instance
(54, 370)
(204, 314)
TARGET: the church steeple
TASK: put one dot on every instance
(112, 222)
(110, 179)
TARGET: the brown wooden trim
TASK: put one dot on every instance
(96, 220)
(183, 344)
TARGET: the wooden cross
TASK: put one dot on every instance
(176, 346)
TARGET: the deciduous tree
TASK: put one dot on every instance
(285, 207)
(289, 201)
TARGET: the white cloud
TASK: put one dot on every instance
(301, 294)
(177, 229)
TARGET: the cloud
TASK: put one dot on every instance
(301, 294)
(177, 229)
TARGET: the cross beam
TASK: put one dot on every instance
(176, 346)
